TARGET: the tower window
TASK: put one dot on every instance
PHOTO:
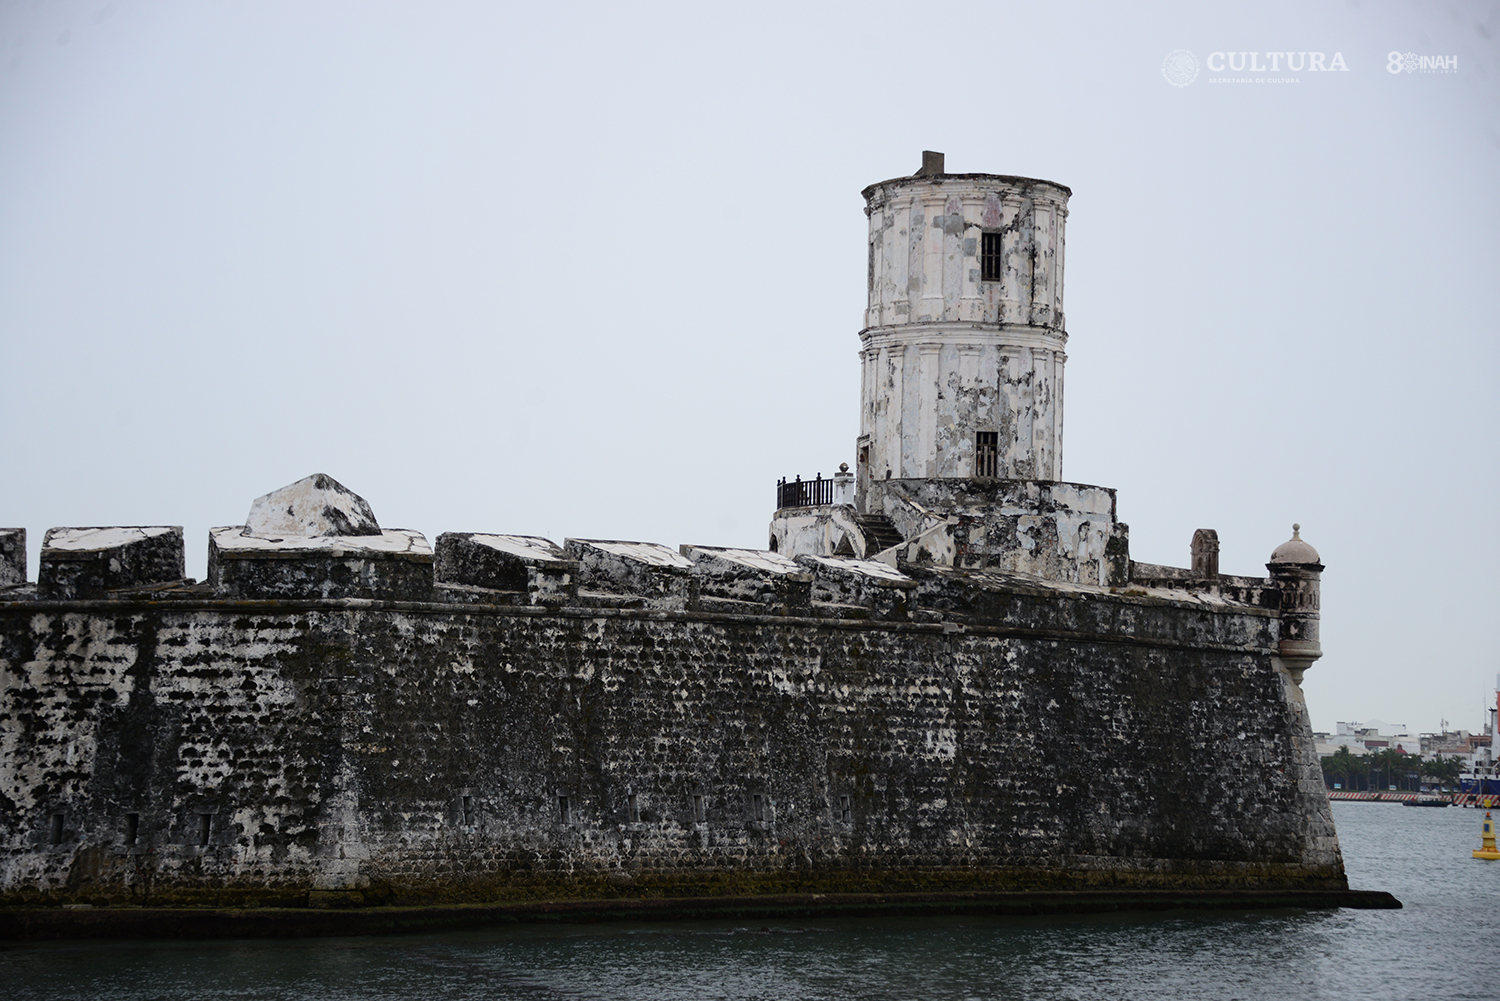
(987, 453)
(989, 257)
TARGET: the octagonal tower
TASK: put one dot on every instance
(962, 351)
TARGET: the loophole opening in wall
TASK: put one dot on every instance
(132, 827)
(55, 833)
(205, 825)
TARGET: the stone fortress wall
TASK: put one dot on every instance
(347, 716)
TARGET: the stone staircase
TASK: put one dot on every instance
(879, 533)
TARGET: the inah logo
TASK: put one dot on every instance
(1410, 62)
(1180, 68)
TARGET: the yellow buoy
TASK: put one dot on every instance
(1488, 850)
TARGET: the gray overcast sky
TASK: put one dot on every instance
(597, 270)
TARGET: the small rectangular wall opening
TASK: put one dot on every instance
(55, 831)
(205, 825)
(132, 827)
(697, 809)
(987, 453)
(632, 809)
(564, 815)
(468, 811)
(758, 808)
(843, 809)
(991, 254)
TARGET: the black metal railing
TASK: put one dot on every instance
(803, 493)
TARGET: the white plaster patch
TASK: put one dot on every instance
(529, 547)
(89, 539)
(869, 568)
(232, 540)
(757, 559)
(642, 552)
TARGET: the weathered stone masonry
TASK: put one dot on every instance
(346, 749)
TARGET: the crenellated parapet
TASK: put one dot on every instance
(1025, 533)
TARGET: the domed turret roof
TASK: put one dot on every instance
(1294, 550)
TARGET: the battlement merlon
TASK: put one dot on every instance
(92, 562)
(396, 564)
(12, 557)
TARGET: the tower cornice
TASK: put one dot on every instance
(964, 334)
(937, 180)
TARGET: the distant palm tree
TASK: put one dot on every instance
(1341, 767)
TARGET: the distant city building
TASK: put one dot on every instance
(1475, 750)
(1372, 735)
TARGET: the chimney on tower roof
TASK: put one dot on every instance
(932, 164)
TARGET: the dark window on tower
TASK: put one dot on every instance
(132, 827)
(987, 453)
(989, 257)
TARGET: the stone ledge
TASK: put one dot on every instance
(609, 607)
(292, 922)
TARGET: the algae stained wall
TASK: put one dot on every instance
(221, 752)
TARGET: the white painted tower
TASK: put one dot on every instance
(962, 357)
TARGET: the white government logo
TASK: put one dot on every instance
(1180, 68)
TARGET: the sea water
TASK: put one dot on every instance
(1442, 944)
